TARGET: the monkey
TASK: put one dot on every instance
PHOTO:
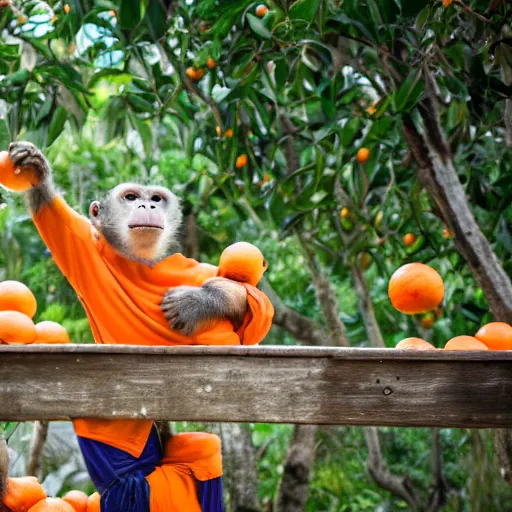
(137, 288)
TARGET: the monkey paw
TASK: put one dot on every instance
(25, 154)
(183, 308)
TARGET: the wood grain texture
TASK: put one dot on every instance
(317, 385)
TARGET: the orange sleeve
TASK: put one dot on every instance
(258, 319)
(70, 238)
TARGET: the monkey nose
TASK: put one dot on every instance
(142, 206)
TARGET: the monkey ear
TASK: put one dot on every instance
(94, 212)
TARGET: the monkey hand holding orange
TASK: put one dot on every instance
(137, 289)
(189, 308)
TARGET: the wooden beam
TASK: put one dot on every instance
(346, 386)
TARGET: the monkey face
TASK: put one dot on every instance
(140, 222)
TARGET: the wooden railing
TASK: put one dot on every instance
(346, 386)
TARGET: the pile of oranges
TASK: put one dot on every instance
(417, 288)
(25, 494)
(17, 309)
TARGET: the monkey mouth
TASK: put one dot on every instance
(145, 226)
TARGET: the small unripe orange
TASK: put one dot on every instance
(241, 161)
(428, 321)
(363, 155)
(261, 10)
(229, 133)
(195, 74)
(409, 239)
(210, 63)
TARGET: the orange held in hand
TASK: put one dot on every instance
(51, 333)
(23, 493)
(496, 336)
(465, 343)
(93, 504)
(16, 179)
(415, 344)
(77, 499)
(16, 328)
(15, 296)
(52, 505)
(415, 288)
(242, 262)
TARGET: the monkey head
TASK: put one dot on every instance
(140, 222)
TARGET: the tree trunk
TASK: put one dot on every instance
(35, 459)
(366, 308)
(294, 486)
(241, 476)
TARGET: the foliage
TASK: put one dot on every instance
(103, 88)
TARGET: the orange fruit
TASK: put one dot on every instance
(409, 239)
(195, 74)
(229, 133)
(428, 321)
(16, 328)
(219, 131)
(415, 344)
(67, 9)
(415, 288)
(16, 179)
(242, 262)
(465, 343)
(23, 493)
(496, 336)
(93, 505)
(210, 63)
(15, 296)
(52, 505)
(241, 161)
(447, 234)
(261, 10)
(51, 333)
(77, 499)
(362, 155)
(446, 3)
(345, 212)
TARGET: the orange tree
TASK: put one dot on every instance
(272, 110)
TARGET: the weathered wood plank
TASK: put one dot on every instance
(257, 384)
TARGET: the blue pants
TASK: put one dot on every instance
(121, 478)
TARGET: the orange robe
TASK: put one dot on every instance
(122, 299)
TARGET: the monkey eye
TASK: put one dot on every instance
(130, 197)
(156, 199)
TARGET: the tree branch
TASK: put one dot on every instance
(39, 436)
(399, 485)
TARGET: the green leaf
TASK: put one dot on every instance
(350, 131)
(410, 91)
(220, 93)
(129, 14)
(258, 26)
(57, 124)
(303, 9)
(156, 19)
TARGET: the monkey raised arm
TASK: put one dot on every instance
(25, 154)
